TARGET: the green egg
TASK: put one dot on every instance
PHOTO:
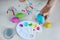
(20, 15)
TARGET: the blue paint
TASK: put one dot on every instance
(40, 18)
(9, 9)
(37, 10)
(30, 11)
(15, 9)
(30, 3)
(25, 24)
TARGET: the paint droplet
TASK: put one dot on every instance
(30, 24)
(21, 25)
(25, 24)
(30, 3)
(30, 11)
(23, 10)
(34, 25)
(38, 28)
(31, 7)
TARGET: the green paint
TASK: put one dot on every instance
(30, 24)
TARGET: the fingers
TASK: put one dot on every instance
(22, 0)
(47, 9)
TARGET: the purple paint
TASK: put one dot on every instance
(23, 10)
(21, 25)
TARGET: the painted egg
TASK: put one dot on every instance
(20, 15)
(15, 20)
(48, 25)
(40, 18)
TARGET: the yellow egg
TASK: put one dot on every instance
(48, 25)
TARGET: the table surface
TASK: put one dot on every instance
(47, 34)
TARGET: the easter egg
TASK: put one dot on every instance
(20, 15)
(11, 11)
(8, 33)
(15, 20)
(48, 25)
(40, 18)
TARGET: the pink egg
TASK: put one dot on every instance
(15, 20)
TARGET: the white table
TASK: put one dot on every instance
(47, 34)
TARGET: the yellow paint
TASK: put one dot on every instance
(34, 25)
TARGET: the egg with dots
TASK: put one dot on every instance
(26, 29)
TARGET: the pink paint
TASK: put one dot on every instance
(7, 11)
(12, 7)
(15, 20)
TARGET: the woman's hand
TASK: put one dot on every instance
(46, 10)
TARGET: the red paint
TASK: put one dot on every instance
(27, 11)
(38, 28)
(13, 12)
(7, 11)
(31, 7)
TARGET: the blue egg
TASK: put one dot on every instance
(40, 18)
(8, 33)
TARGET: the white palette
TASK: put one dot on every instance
(28, 29)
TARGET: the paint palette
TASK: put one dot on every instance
(28, 29)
